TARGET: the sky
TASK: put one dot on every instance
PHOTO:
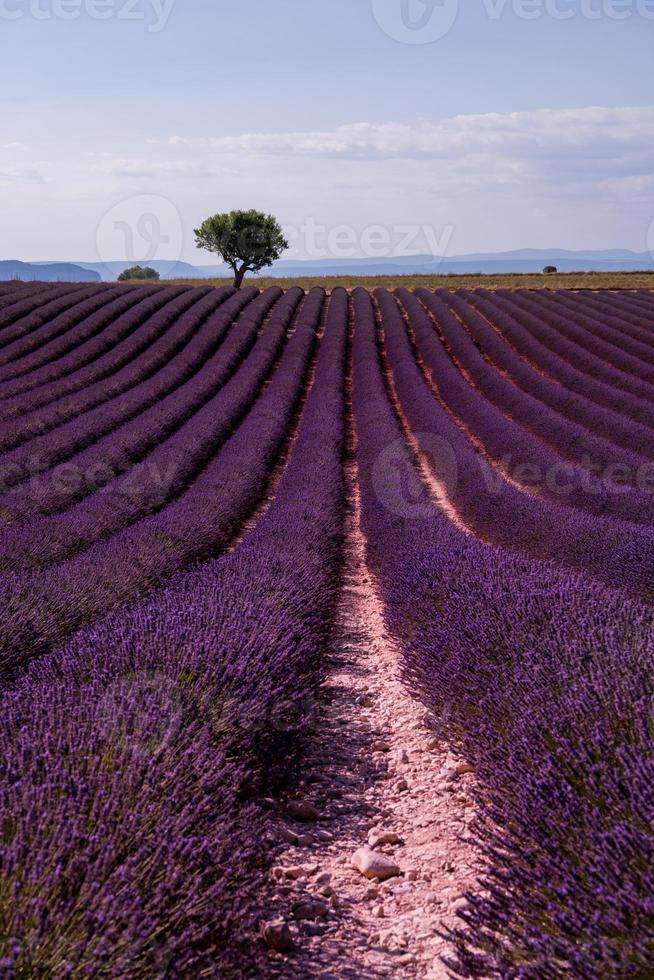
(368, 127)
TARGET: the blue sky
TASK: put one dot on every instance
(528, 123)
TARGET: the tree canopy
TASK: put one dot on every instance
(246, 240)
(138, 272)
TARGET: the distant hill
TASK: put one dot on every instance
(46, 272)
(489, 263)
(527, 260)
(109, 271)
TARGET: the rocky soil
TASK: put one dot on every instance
(374, 853)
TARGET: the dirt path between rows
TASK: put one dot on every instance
(375, 769)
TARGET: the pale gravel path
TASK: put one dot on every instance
(393, 928)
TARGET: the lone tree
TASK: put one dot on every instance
(246, 240)
(550, 270)
(138, 272)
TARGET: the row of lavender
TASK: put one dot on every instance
(124, 541)
(541, 675)
(32, 308)
(173, 462)
(113, 550)
(619, 553)
(111, 435)
(570, 363)
(524, 437)
(123, 396)
(25, 330)
(608, 360)
(512, 350)
(82, 377)
(132, 758)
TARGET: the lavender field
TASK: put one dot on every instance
(185, 473)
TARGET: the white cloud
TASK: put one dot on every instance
(565, 177)
(609, 141)
(570, 177)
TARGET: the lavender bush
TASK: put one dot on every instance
(138, 404)
(157, 731)
(607, 344)
(43, 608)
(91, 379)
(544, 679)
(524, 331)
(566, 398)
(560, 460)
(574, 345)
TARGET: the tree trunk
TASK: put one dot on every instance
(239, 275)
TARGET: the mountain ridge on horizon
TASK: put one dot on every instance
(526, 260)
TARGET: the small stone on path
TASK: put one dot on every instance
(301, 810)
(376, 838)
(277, 935)
(310, 909)
(372, 864)
(405, 960)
